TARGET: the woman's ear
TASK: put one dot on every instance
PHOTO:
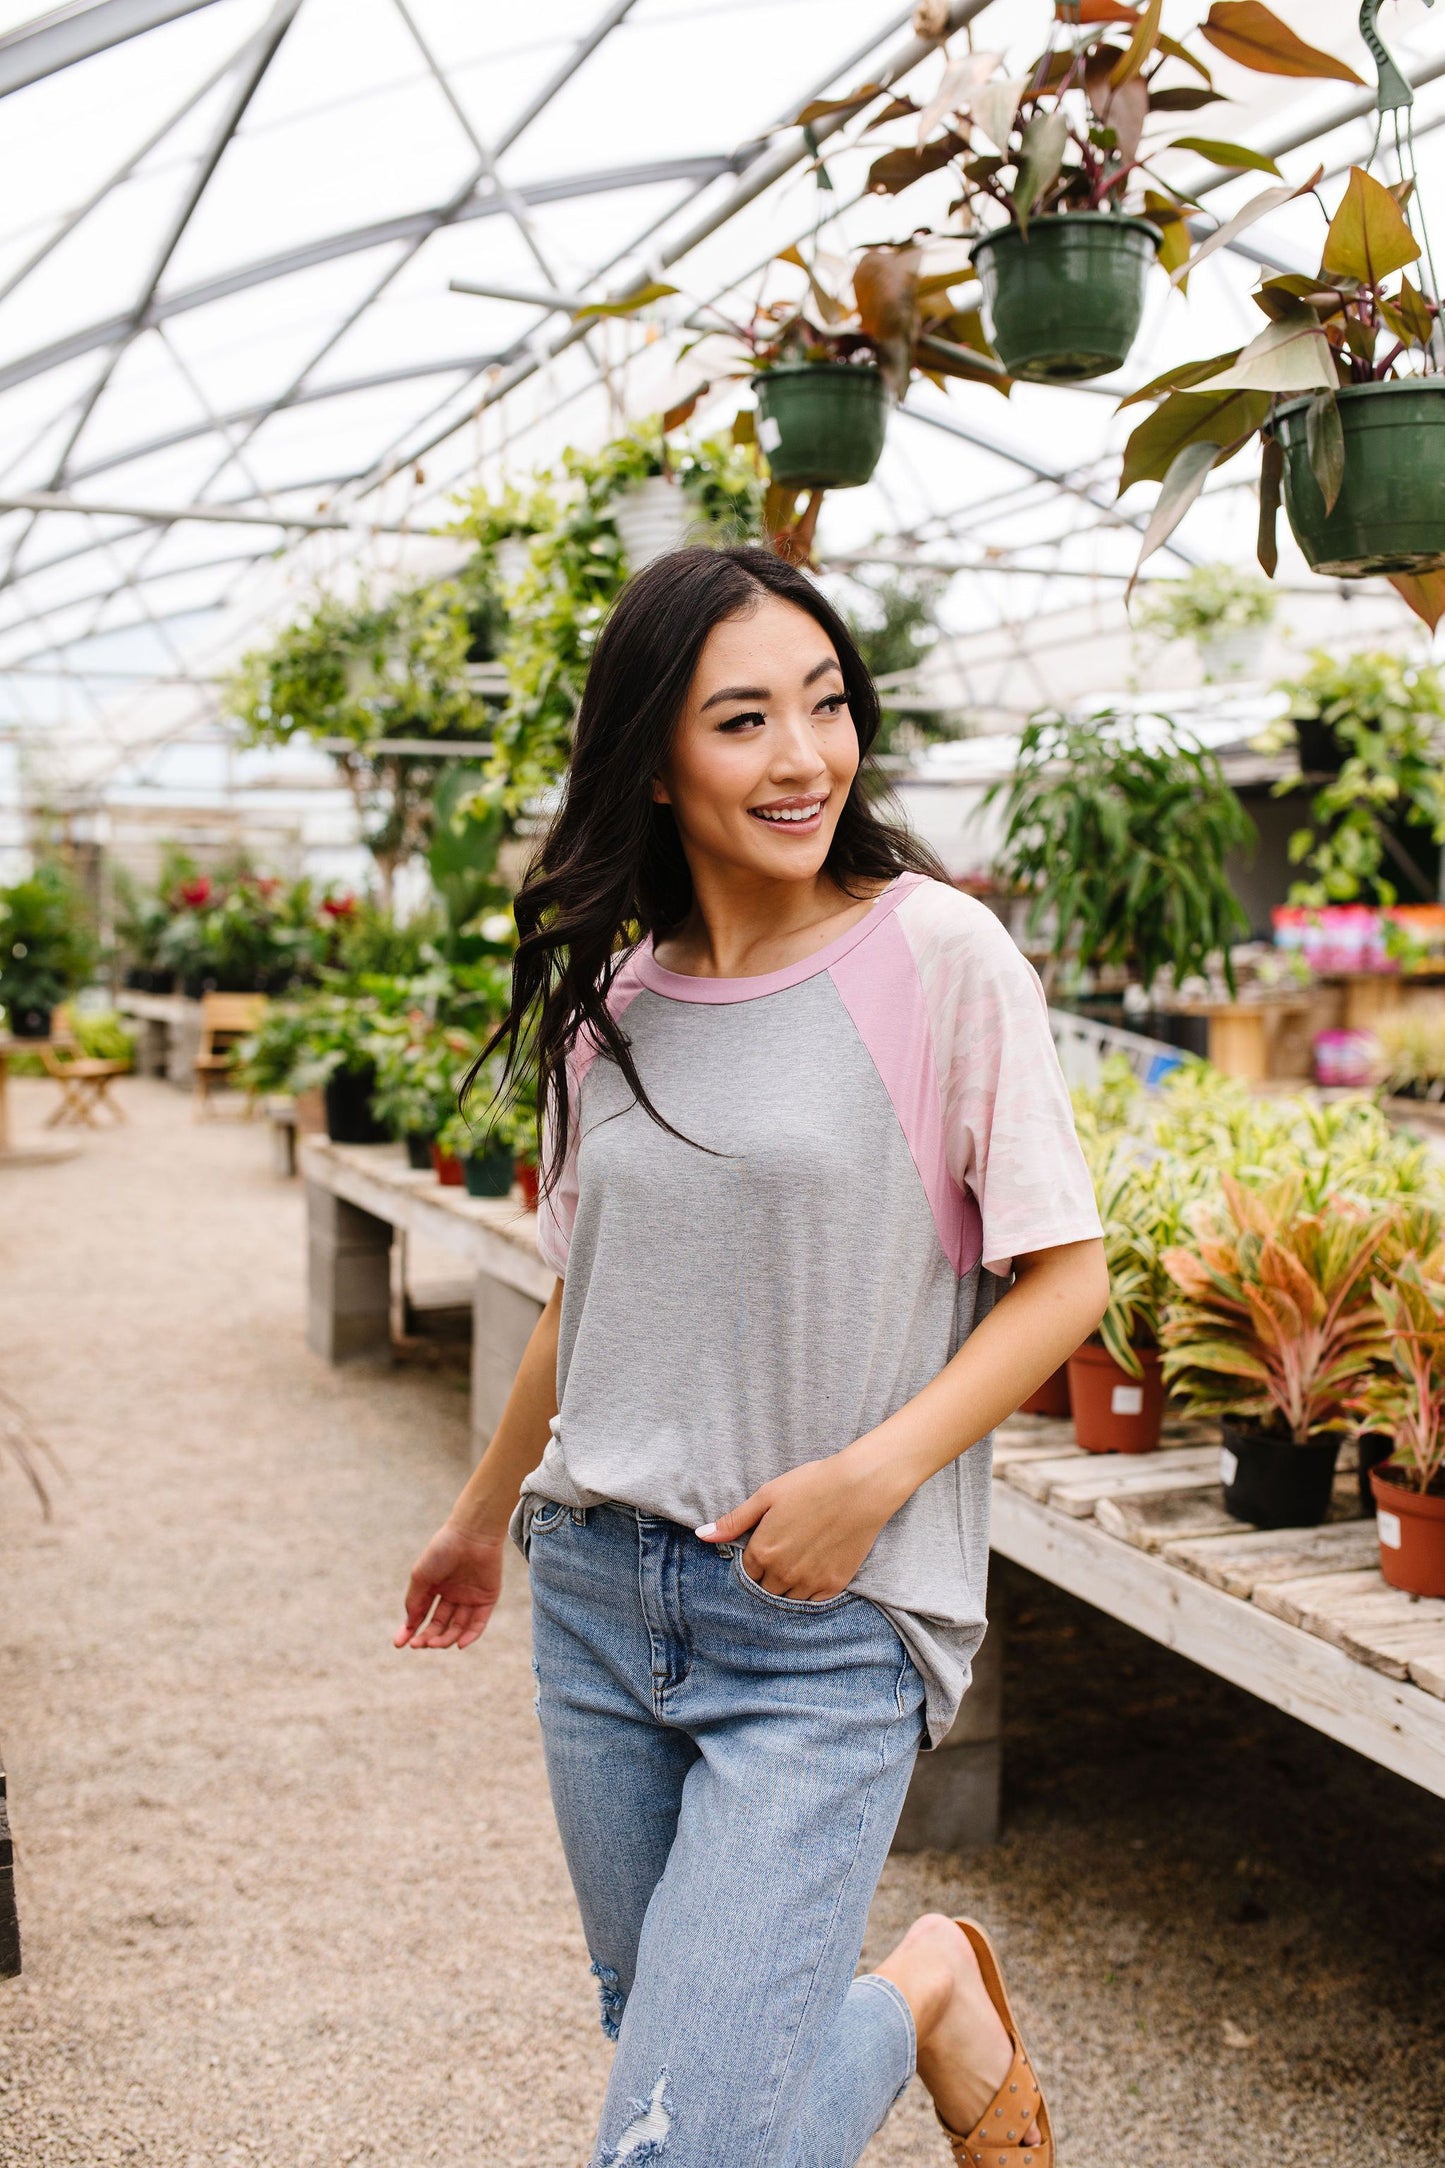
(659, 792)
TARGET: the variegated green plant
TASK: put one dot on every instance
(1275, 1321)
(1141, 1207)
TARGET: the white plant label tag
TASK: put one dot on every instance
(1127, 1400)
(1228, 1465)
(1388, 1528)
(770, 436)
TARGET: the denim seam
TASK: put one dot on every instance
(867, 1801)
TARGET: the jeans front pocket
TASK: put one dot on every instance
(787, 1603)
(539, 1515)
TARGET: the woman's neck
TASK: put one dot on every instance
(741, 928)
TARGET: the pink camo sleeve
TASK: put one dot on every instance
(1008, 1125)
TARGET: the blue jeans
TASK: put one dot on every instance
(727, 1768)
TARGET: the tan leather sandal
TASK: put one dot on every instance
(996, 2140)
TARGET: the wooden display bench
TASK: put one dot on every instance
(1301, 1618)
(1368, 998)
(1260, 1041)
(359, 1198)
(169, 1035)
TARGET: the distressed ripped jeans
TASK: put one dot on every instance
(727, 1768)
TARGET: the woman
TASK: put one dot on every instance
(801, 1134)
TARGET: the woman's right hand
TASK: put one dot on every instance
(453, 1590)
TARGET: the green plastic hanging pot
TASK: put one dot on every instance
(822, 423)
(1390, 512)
(1065, 298)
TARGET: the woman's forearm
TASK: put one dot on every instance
(520, 1439)
(1056, 1301)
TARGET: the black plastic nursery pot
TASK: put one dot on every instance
(1273, 1483)
(1390, 512)
(349, 1119)
(489, 1173)
(418, 1152)
(31, 1023)
(1065, 297)
(1374, 1448)
(1322, 751)
(822, 423)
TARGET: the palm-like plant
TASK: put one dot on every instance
(1276, 1322)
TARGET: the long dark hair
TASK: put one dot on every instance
(611, 869)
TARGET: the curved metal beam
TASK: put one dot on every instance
(355, 241)
(73, 33)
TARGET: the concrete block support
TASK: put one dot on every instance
(953, 1801)
(503, 1321)
(348, 1280)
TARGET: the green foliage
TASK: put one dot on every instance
(103, 1035)
(366, 671)
(1209, 600)
(47, 947)
(894, 633)
(468, 829)
(576, 571)
(1390, 716)
(1141, 1207)
(1122, 838)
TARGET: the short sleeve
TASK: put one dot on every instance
(1008, 1125)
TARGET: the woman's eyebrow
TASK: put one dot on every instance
(735, 692)
(764, 692)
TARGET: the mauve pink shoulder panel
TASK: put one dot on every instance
(880, 988)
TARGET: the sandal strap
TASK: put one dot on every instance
(996, 2140)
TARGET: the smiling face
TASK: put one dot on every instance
(765, 752)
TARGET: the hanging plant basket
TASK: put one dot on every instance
(1390, 512)
(822, 424)
(1065, 298)
(651, 519)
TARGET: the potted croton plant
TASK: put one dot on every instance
(1275, 1328)
(1344, 391)
(1056, 167)
(1406, 1399)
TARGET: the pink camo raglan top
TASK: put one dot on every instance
(887, 1129)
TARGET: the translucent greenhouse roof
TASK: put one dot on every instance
(233, 362)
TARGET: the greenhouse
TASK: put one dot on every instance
(722, 965)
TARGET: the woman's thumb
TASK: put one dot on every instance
(729, 1526)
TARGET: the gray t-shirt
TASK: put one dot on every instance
(887, 1127)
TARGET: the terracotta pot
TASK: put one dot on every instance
(1114, 1413)
(528, 1181)
(1052, 1397)
(311, 1113)
(1411, 1525)
(447, 1168)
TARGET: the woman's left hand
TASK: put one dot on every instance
(811, 1528)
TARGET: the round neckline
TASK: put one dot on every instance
(686, 986)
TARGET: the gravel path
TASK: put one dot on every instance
(290, 1899)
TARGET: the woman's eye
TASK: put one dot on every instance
(834, 704)
(744, 722)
